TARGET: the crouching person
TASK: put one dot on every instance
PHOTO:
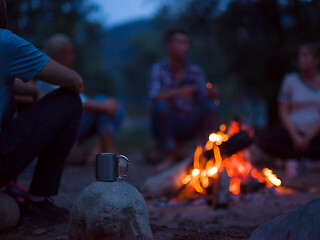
(47, 129)
(183, 103)
(102, 115)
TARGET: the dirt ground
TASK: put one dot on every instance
(195, 220)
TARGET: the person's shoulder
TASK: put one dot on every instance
(291, 78)
(161, 64)
(11, 40)
(6, 36)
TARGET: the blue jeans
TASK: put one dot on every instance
(170, 126)
(95, 123)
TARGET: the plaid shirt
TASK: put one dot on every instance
(161, 79)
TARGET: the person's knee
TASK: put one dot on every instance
(212, 108)
(161, 106)
(69, 99)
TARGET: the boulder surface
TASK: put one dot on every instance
(303, 223)
(109, 210)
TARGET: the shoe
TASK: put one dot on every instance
(44, 213)
(17, 192)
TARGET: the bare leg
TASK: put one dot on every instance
(91, 159)
(107, 144)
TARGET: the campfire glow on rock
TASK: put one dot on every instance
(209, 162)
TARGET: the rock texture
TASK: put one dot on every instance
(9, 212)
(303, 223)
(109, 210)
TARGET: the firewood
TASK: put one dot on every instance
(166, 182)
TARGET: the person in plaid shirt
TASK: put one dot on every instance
(183, 103)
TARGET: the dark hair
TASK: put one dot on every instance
(3, 14)
(312, 47)
(172, 32)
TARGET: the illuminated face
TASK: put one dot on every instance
(179, 46)
(306, 60)
(65, 56)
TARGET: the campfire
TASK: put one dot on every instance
(219, 156)
(220, 167)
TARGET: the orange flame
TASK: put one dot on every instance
(237, 168)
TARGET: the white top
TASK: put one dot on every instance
(304, 102)
(47, 88)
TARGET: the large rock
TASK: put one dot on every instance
(303, 223)
(9, 212)
(109, 210)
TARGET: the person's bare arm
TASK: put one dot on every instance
(110, 106)
(313, 133)
(57, 74)
(299, 141)
(27, 89)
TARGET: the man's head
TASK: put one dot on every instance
(3, 14)
(309, 57)
(59, 47)
(177, 44)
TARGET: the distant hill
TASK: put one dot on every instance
(117, 47)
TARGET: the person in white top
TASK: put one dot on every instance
(299, 110)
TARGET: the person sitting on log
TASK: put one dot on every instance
(299, 109)
(47, 129)
(182, 101)
(102, 115)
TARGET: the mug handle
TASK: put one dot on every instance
(127, 167)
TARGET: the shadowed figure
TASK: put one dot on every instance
(299, 109)
(102, 115)
(47, 129)
(183, 104)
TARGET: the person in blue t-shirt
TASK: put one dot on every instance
(47, 130)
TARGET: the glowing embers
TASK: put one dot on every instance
(206, 170)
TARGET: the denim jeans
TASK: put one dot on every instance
(170, 126)
(93, 123)
(47, 130)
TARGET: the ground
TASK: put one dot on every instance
(195, 220)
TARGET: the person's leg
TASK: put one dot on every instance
(201, 121)
(313, 152)
(163, 122)
(277, 142)
(162, 125)
(107, 127)
(47, 129)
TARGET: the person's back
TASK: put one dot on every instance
(18, 59)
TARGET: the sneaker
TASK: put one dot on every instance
(16, 191)
(44, 213)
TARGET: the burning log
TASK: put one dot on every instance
(166, 182)
(220, 193)
(218, 167)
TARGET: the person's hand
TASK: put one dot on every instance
(300, 143)
(111, 106)
(39, 94)
(213, 93)
(187, 91)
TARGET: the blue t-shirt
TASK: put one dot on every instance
(18, 59)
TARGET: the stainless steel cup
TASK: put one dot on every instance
(107, 167)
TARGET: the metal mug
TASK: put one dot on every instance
(107, 167)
